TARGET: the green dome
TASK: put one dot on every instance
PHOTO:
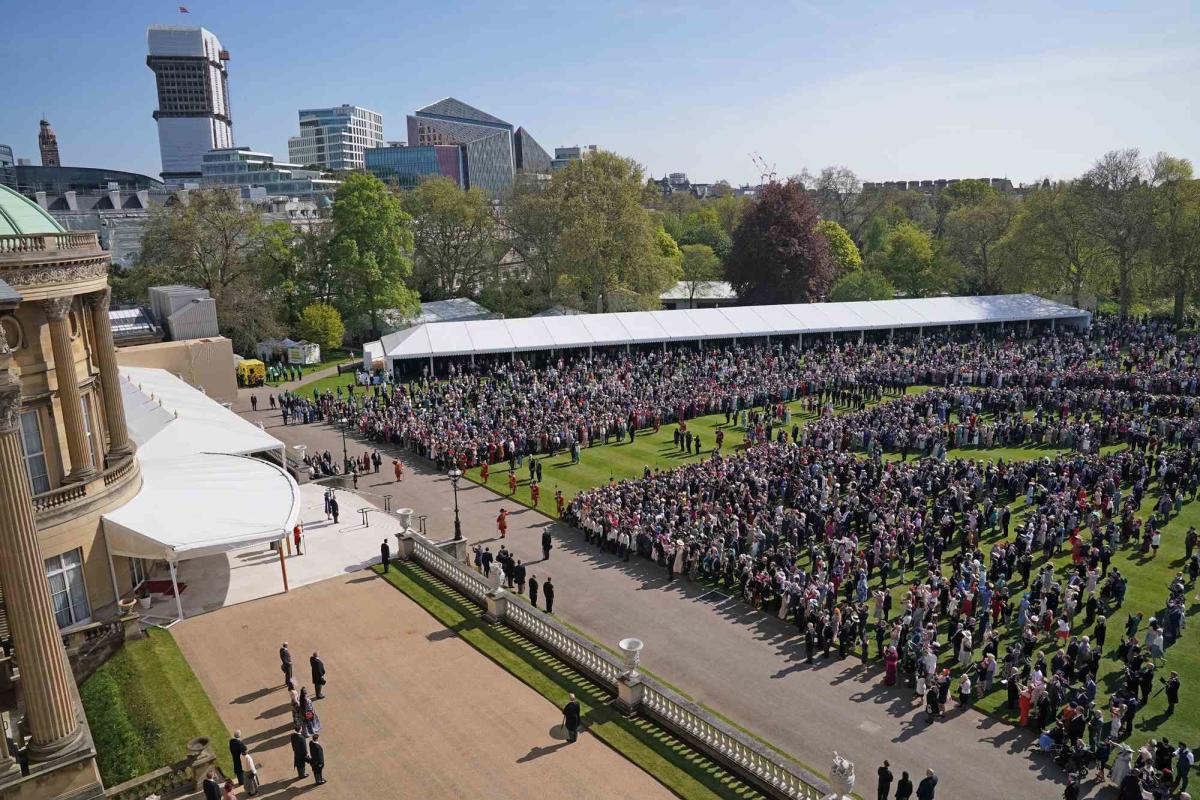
(19, 214)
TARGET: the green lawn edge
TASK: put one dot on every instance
(144, 705)
(674, 764)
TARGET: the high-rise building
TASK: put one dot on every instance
(565, 155)
(335, 138)
(8, 167)
(193, 97)
(407, 166)
(259, 175)
(48, 144)
(487, 141)
(528, 154)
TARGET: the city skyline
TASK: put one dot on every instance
(895, 95)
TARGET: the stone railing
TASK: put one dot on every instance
(635, 693)
(177, 780)
(62, 496)
(43, 242)
(89, 646)
(68, 499)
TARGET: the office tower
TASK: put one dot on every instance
(48, 144)
(193, 97)
(487, 141)
(335, 138)
(8, 167)
(528, 154)
(407, 166)
(565, 155)
(258, 175)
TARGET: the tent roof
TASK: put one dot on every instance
(635, 327)
(201, 504)
(167, 418)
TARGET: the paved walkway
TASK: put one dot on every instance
(743, 664)
(329, 549)
(411, 709)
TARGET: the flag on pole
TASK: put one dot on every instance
(184, 10)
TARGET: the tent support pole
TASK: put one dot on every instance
(283, 565)
(175, 589)
(861, 336)
(112, 572)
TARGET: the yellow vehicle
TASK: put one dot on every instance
(251, 372)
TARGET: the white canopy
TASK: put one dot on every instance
(167, 418)
(201, 504)
(638, 327)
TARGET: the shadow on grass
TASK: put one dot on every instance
(672, 762)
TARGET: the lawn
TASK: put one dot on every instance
(598, 465)
(330, 359)
(687, 773)
(143, 705)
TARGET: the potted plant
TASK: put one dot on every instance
(126, 604)
(143, 598)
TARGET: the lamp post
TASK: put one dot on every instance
(345, 455)
(456, 473)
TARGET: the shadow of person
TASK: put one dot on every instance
(537, 752)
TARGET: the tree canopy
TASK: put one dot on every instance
(455, 247)
(842, 248)
(778, 255)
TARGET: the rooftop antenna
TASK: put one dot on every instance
(766, 174)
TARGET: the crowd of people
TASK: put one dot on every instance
(858, 527)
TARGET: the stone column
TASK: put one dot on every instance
(110, 380)
(46, 680)
(57, 309)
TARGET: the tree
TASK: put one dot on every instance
(210, 241)
(910, 261)
(704, 227)
(970, 192)
(294, 267)
(454, 238)
(973, 232)
(371, 235)
(729, 210)
(778, 256)
(667, 246)
(699, 266)
(321, 323)
(1051, 242)
(593, 237)
(862, 284)
(842, 248)
(533, 224)
(840, 197)
(1120, 214)
(1176, 227)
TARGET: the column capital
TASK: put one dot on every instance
(10, 402)
(58, 307)
(98, 300)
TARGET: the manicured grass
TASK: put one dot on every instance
(143, 705)
(329, 382)
(330, 359)
(598, 465)
(685, 772)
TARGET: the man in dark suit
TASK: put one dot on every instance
(316, 757)
(318, 674)
(285, 663)
(548, 591)
(547, 543)
(533, 590)
(885, 781)
(519, 576)
(236, 748)
(571, 718)
(212, 789)
(385, 555)
(299, 753)
(926, 786)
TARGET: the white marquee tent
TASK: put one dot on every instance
(202, 494)
(642, 327)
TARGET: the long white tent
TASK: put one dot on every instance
(437, 340)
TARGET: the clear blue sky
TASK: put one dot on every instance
(891, 89)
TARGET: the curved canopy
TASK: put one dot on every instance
(19, 214)
(637, 327)
(201, 504)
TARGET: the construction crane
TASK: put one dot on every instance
(766, 174)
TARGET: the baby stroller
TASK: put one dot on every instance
(1074, 759)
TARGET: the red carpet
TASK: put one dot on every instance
(162, 587)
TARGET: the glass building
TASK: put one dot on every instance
(487, 141)
(335, 138)
(258, 175)
(408, 166)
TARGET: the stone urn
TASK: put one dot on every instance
(406, 515)
(631, 653)
(841, 778)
